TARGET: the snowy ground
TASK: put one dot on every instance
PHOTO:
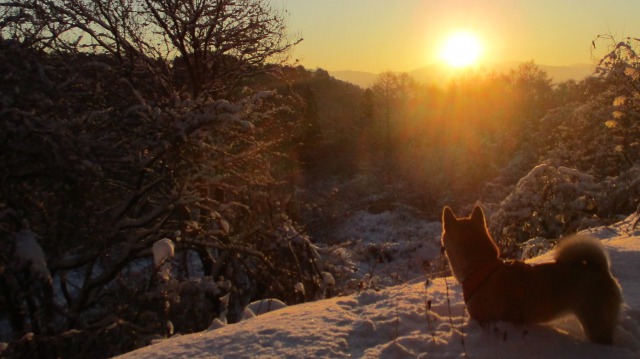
(417, 320)
(385, 248)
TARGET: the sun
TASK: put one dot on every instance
(461, 49)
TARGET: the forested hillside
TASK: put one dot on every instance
(158, 172)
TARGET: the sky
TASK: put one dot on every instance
(404, 35)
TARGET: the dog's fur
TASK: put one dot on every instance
(578, 282)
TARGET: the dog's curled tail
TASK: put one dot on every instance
(582, 249)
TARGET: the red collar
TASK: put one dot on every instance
(473, 282)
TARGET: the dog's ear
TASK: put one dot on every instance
(477, 216)
(448, 217)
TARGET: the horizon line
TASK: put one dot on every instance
(435, 64)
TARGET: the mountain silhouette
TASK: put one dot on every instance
(439, 74)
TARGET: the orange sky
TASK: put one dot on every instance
(403, 35)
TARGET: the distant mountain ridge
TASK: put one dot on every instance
(438, 74)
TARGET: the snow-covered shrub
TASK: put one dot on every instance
(547, 202)
(584, 169)
(535, 247)
(550, 202)
(104, 166)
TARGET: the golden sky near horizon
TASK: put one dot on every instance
(404, 35)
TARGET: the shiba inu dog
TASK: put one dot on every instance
(578, 282)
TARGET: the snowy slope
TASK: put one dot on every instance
(417, 320)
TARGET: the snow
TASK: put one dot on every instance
(420, 318)
(163, 251)
(29, 253)
(387, 247)
(263, 306)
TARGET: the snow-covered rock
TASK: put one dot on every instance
(163, 250)
(28, 252)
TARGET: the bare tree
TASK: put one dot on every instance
(391, 93)
(531, 88)
(102, 173)
(104, 161)
(203, 45)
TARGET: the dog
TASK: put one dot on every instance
(578, 282)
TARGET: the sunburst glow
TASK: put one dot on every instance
(461, 49)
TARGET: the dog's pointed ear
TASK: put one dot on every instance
(477, 216)
(447, 217)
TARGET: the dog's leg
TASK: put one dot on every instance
(599, 316)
